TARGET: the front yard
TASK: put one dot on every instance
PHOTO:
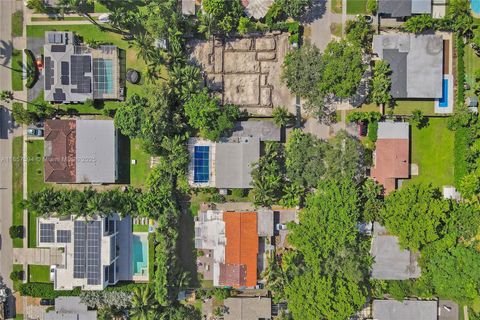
(432, 150)
(35, 183)
(472, 64)
(17, 186)
(17, 65)
(356, 6)
(38, 273)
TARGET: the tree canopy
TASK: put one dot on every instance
(381, 83)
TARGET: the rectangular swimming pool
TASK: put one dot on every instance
(103, 75)
(475, 5)
(140, 254)
(201, 164)
(443, 102)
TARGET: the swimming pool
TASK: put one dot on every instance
(443, 102)
(201, 164)
(140, 254)
(103, 75)
(475, 5)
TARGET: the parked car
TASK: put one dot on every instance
(47, 302)
(35, 132)
(280, 226)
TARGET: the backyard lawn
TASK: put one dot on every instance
(17, 186)
(356, 6)
(38, 273)
(17, 24)
(472, 64)
(405, 107)
(17, 63)
(140, 228)
(140, 170)
(432, 150)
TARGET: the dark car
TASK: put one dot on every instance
(35, 132)
(362, 129)
(47, 302)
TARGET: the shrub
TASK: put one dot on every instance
(16, 275)
(125, 286)
(45, 290)
(32, 71)
(460, 70)
(372, 131)
(239, 193)
(16, 232)
(217, 197)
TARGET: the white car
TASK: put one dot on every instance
(104, 18)
(281, 226)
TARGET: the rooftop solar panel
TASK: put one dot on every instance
(79, 246)
(59, 95)
(58, 48)
(79, 66)
(65, 68)
(48, 67)
(65, 80)
(94, 231)
(47, 234)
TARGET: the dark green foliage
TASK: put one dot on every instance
(415, 213)
(16, 275)
(209, 117)
(464, 221)
(418, 119)
(294, 8)
(360, 32)
(268, 176)
(420, 23)
(381, 83)
(331, 278)
(371, 200)
(357, 116)
(304, 158)
(460, 70)
(45, 290)
(220, 16)
(125, 286)
(22, 115)
(239, 193)
(16, 232)
(129, 117)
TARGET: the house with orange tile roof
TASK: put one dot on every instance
(391, 159)
(230, 242)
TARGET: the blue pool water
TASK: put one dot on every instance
(140, 254)
(201, 168)
(103, 75)
(443, 102)
(475, 5)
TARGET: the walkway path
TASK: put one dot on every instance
(42, 256)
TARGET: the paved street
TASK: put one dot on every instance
(7, 7)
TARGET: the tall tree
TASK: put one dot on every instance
(144, 306)
(381, 83)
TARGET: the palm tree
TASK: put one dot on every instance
(281, 116)
(6, 95)
(207, 24)
(143, 44)
(111, 313)
(144, 305)
(184, 80)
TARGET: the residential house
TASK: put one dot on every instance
(248, 308)
(403, 310)
(403, 8)
(76, 73)
(81, 151)
(391, 158)
(67, 308)
(390, 261)
(96, 252)
(416, 61)
(227, 164)
(233, 246)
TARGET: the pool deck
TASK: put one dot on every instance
(144, 237)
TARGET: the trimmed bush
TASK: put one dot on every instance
(16, 232)
(460, 70)
(16, 275)
(239, 193)
(45, 290)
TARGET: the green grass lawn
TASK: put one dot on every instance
(140, 228)
(472, 64)
(140, 170)
(17, 24)
(336, 6)
(16, 283)
(405, 107)
(100, 8)
(432, 150)
(17, 186)
(356, 6)
(38, 273)
(17, 63)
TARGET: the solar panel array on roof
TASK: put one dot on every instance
(79, 66)
(58, 48)
(64, 236)
(94, 230)
(55, 38)
(49, 69)
(64, 67)
(79, 246)
(47, 234)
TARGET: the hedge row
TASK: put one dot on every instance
(462, 138)
(460, 70)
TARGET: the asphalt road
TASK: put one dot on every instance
(7, 7)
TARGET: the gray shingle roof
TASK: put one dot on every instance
(396, 310)
(395, 8)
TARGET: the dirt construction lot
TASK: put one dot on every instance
(246, 71)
